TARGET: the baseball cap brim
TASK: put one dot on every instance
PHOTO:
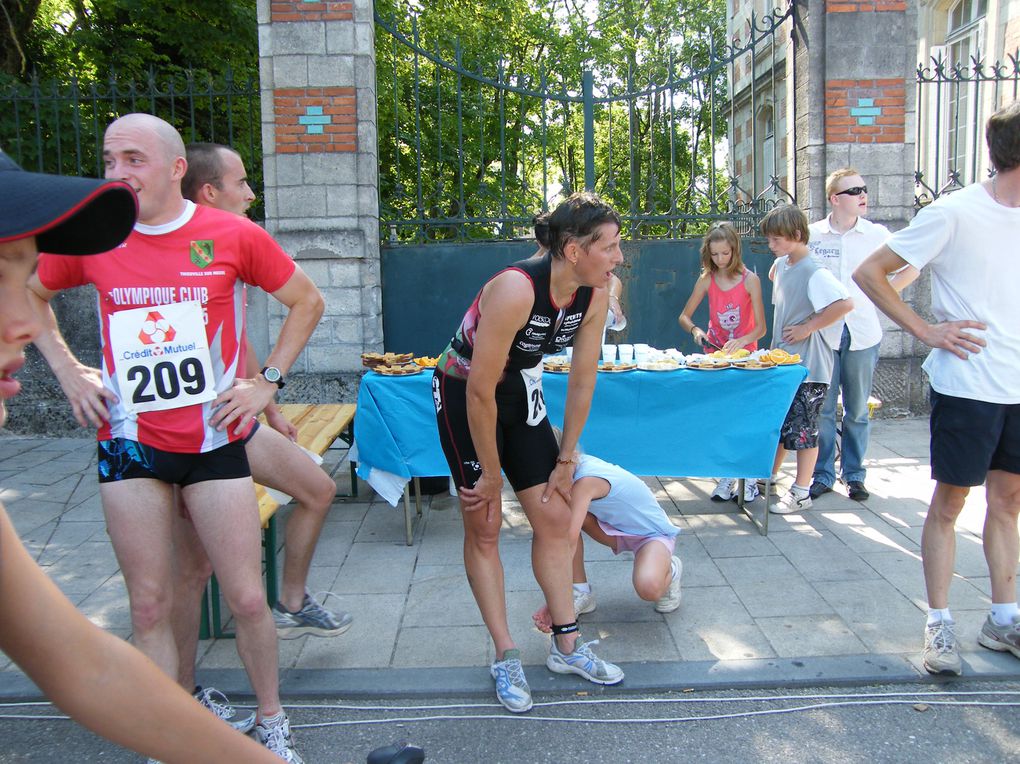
(67, 215)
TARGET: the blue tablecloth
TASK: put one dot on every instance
(684, 423)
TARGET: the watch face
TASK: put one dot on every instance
(272, 374)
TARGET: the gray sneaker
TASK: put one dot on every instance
(583, 662)
(217, 702)
(670, 601)
(311, 619)
(941, 655)
(274, 734)
(1000, 638)
(511, 687)
(584, 602)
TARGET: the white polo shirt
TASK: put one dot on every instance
(840, 254)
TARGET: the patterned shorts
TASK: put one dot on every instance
(800, 430)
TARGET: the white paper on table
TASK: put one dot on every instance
(282, 498)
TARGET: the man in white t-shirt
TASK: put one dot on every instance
(840, 242)
(969, 240)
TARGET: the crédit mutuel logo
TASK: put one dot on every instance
(156, 332)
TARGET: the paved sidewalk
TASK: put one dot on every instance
(832, 595)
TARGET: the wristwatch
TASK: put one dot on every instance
(274, 375)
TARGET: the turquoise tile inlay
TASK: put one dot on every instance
(313, 120)
(865, 111)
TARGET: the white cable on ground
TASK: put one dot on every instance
(832, 700)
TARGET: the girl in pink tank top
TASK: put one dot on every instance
(736, 315)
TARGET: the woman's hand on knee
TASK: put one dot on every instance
(486, 494)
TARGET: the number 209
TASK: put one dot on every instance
(166, 380)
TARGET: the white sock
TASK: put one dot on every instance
(585, 587)
(1004, 613)
(798, 490)
(672, 567)
(938, 614)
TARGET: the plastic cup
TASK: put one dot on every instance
(569, 350)
(642, 354)
(609, 353)
(626, 353)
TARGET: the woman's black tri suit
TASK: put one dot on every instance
(524, 437)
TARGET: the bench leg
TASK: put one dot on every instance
(408, 527)
(203, 623)
(269, 549)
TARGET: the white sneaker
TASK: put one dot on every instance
(791, 502)
(274, 734)
(670, 601)
(584, 602)
(751, 491)
(723, 490)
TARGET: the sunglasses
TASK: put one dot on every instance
(855, 191)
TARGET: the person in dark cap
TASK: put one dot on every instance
(99, 679)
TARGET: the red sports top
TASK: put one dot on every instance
(206, 255)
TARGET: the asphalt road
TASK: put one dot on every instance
(863, 724)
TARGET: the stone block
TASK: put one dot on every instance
(342, 200)
(266, 75)
(342, 301)
(290, 71)
(290, 170)
(364, 74)
(334, 358)
(263, 12)
(302, 201)
(329, 169)
(368, 201)
(347, 273)
(339, 37)
(307, 38)
(348, 331)
(364, 38)
(317, 271)
(367, 137)
(331, 71)
(363, 10)
(368, 168)
(266, 36)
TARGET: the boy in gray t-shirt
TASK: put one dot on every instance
(807, 298)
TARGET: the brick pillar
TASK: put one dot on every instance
(855, 64)
(317, 65)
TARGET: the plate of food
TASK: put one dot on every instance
(398, 370)
(557, 366)
(753, 364)
(613, 367)
(708, 364)
(372, 360)
(427, 361)
(663, 364)
(780, 357)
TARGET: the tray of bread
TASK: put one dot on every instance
(398, 370)
(427, 361)
(707, 363)
(372, 360)
(557, 365)
(661, 364)
(614, 367)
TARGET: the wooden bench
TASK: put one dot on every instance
(318, 426)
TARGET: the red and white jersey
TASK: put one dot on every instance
(205, 258)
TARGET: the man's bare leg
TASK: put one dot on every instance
(226, 519)
(938, 542)
(277, 463)
(192, 570)
(1001, 542)
(138, 513)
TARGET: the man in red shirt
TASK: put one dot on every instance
(169, 405)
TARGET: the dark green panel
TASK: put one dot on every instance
(427, 289)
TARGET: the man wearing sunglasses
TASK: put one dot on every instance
(840, 242)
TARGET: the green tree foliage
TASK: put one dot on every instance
(503, 143)
(69, 67)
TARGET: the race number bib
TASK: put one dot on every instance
(536, 399)
(162, 357)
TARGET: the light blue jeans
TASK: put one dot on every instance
(852, 372)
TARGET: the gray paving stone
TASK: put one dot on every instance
(822, 557)
(85, 568)
(771, 586)
(797, 636)
(882, 618)
(370, 641)
(419, 646)
(905, 573)
(107, 605)
(382, 523)
(712, 624)
(441, 596)
(376, 568)
(863, 532)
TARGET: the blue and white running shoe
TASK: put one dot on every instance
(583, 662)
(511, 687)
